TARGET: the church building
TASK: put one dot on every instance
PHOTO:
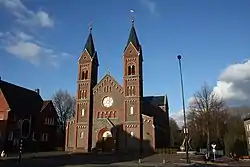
(116, 117)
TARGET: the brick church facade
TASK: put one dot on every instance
(114, 117)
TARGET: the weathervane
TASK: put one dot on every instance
(133, 19)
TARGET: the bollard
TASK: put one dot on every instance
(163, 161)
(139, 161)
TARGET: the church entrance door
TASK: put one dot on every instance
(107, 141)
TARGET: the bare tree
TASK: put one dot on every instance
(64, 104)
(176, 137)
(207, 114)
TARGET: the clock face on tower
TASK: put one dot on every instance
(107, 102)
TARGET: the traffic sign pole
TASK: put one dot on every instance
(213, 146)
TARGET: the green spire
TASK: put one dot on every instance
(133, 37)
(89, 46)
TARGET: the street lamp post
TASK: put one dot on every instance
(184, 111)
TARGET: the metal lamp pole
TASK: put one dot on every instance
(184, 111)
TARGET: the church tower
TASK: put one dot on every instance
(133, 88)
(87, 79)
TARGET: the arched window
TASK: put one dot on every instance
(129, 70)
(131, 111)
(132, 70)
(84, 94)
(81, 94)
(132, 90)
(81, 135)
(84, 75)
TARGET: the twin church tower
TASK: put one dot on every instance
(113, 117)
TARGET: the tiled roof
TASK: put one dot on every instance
(21, 99)
(45, 103)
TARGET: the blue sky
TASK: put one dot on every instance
(41, 41)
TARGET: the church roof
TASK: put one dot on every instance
(133, 38)
(89, 46)
(155, 100)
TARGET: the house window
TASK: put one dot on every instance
(81, 135)
(10, 137)
(131, 111)
(83, 112)
(132, 134)
(45, 137)
(33, 136)
(49, 121)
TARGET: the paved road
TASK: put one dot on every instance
(62, 159)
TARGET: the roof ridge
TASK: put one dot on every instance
(19, 86)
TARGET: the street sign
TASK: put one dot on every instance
(213, 146)
(213, 150)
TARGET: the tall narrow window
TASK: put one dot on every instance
(81, 135)
(83, 112)
(86, 75)
(10, 137)
(82, 76)
(129, 70)
(132, 90)
(132, 70)
(81, 94)
(84, 94)
(131, 111)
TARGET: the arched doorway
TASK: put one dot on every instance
(106, 140)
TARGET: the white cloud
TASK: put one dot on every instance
(178, 117)
(26, 16)
(234, 84)
(24, 46)
(151, 6)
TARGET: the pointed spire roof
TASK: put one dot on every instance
(89, 46)
(133, 37)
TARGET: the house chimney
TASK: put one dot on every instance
(37, 91)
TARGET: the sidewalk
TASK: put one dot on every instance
(34, 155)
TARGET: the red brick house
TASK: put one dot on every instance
(114, 117)
(17, 104)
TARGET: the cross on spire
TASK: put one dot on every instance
(133, 19)
(90, 26)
